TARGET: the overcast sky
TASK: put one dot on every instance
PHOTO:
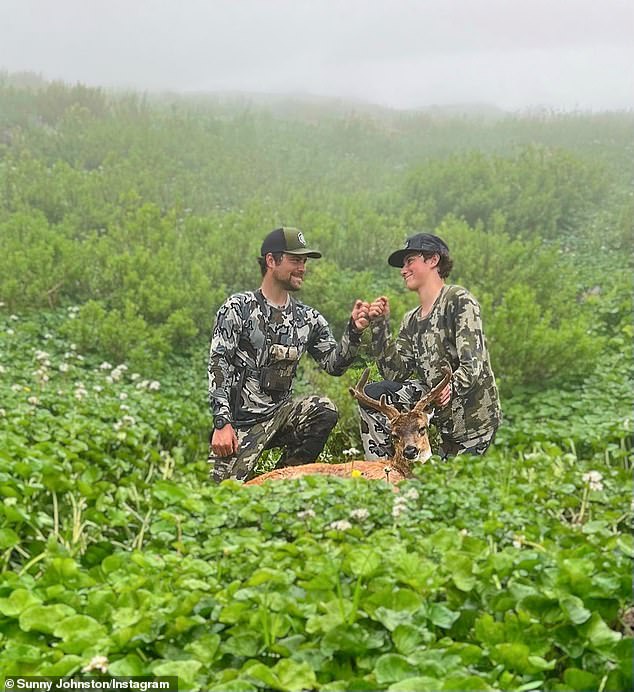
(515, 54)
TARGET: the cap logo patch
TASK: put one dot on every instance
(301, 239)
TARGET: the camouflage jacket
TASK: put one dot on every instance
(238, 351)
(450, 333)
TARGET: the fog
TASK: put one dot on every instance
(515, 54)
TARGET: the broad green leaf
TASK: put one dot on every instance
(460, 683)
(351, 639)
(67, 665)
(205, 648)
(441, 616)
(79, 632)
(406, 638)
(363, 562)
(295, 676)
(417, 684)
(186, 671)
(169, 493)
(44, 618)
(234, 686)
(600, 636)
(262, 673)
(246, 644)
(18, 601)
(460, 566)
(513, 655)
(393, 668)
(574, 609)
(8, 538)
(267, 575)
(129, 665)
(581, 680)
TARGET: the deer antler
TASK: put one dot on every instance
(378, 405)
(435, 391)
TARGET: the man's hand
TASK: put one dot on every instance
(359, 316)
(444, 396)
(224, 442)
(379, 307)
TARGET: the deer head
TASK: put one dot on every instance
(409, 429)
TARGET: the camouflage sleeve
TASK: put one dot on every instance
(469, 345)
(394, 357)
(335, 358)
(221, 369)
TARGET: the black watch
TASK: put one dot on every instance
(220, 422)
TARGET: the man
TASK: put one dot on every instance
(445, 329)
(257, 342)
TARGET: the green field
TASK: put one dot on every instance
(125, 220)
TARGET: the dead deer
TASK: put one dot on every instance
(409, 436)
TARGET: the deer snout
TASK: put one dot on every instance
(410, 452)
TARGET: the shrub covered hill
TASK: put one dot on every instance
(126, 219)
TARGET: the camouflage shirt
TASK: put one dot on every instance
(238, 351)
(450, 333)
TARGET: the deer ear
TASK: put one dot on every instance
(430, 413)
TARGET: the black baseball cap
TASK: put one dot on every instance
(420, 242)
(288, 240)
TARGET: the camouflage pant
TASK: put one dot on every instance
(375, 429)
(300, 426)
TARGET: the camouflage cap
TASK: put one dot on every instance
(288, 240)
(421, 242)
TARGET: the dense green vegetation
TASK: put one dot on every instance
(124, 223)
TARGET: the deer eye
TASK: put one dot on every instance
(422, 431)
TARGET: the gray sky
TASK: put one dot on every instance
(516, 54)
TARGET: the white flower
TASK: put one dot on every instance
(350, 452)
(73, 347)
(128, 420)
(360, 514)
(123, 407)
(16, 388)
(306, 514)
(97, 388)
(3, 413)
(15, 318)
(122, 367)
(33, 400)
(48, 336)
(99, 663)
(115, 375)
(412, 494)
(154, 386)
(143, 384)
(41, 355)
(518, 540)
(2, 369)
(80, 393)
(64, 367)
(341, 525)
(135, 376)
(123, 396)
(109, 379)
(10, 332)
(105, 366)
(594, 480)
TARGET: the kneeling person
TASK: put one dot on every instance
(444, 329)
(257, 342)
